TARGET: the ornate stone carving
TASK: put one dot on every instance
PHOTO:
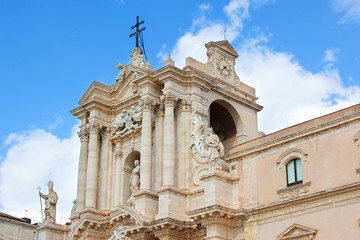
(147, 104)
(159, 110)
(134, 182)
(94, 127)
(185, 105)
(210, 63)
(127, 122)
(84, 135)
(169, 99)
(137, 58)
(121, 74)
(50, 204)
(294, 192)
(207, 150)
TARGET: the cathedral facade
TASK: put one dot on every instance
(176, 154)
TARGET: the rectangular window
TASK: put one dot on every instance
(290, 172)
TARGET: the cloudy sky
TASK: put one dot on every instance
(302, 56)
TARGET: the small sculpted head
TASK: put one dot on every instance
(136, 163)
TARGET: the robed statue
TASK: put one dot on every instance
(50, 204)
(134, 182)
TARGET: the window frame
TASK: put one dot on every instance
(296, 182)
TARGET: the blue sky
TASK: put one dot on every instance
(302, 57)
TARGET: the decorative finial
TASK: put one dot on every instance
(169, 61)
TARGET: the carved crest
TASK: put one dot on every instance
(127, 122)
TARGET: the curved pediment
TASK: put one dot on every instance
(105, 226)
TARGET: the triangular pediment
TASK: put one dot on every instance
(223, 45)
(297, 231)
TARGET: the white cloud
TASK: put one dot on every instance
(34, 158)
(289, 92)
(349, 8)
(330, 55)
(204, 30)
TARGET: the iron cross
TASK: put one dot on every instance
(137, 32)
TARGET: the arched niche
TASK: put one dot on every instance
(226, 123)
(127, 168)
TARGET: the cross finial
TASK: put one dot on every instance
(138, 31)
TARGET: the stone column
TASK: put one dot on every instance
(169, 141)
(92, 167)
(182, 143)
(104, 162)
(118, 156)
(158, 148)
(146, 145)
(81, 185)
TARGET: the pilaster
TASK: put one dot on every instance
(103, 198)
(118, 155)
(81, 185)
(169, 101)
(146, 146)
(92, 167)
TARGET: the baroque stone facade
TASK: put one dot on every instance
(176, 154)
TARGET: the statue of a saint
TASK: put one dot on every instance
(215, 149)
(120, 76)
(134, 182)
(50, 203)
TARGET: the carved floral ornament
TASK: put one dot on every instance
(127, 122)
(207, 150)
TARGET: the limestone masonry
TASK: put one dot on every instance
(176, 154)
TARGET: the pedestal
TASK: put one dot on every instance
(146, 203)
(53, 231)
(171, 204)
(221, 189)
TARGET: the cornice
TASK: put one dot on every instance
(318, 129)
(321, 199)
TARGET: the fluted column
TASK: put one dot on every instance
(146, 142)
(81, 184)
(169, 141)
(92, 167)
(117, 193)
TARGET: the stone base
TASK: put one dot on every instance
(171, 204)
(146, 203)
(53, 231)
(220, 188)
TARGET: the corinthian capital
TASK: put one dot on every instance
(83, 135)
(169, 99)
(147, 104)
(185, 105)
(159, 110)
(94, 127)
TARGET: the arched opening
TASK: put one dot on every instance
(223, 124)
(128, 167)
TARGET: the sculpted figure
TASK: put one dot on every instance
(50, 203)
(120, 76)
(215, 149)
(134, 182)
(137, 58)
